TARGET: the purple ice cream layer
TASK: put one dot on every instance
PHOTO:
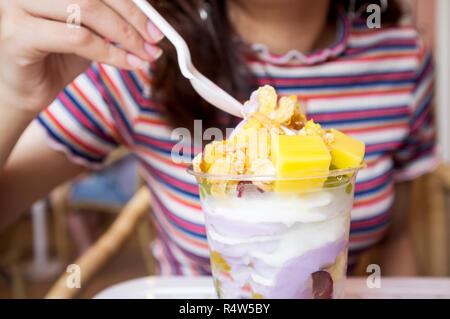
(293, 279)
(242, 229)
(290, 281)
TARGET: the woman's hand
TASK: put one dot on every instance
(40, 53)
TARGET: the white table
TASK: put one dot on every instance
(202, 288)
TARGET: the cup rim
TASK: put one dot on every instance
(332, 173)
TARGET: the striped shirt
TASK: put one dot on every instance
(375, 85)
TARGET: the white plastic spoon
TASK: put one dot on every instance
(204, 87)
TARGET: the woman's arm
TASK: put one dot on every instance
(40, 53)
(12, 124)
(31, 172)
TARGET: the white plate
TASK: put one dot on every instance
(162, 288)
(203, 288)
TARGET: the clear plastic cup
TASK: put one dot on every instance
(269, 242)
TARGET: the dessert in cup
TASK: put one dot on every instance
(277, 197)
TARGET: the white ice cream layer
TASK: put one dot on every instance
(273, 208)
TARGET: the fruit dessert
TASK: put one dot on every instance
(277, 196)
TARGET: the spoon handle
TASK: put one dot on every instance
(184, 56)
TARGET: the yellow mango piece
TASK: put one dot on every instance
(264, 138)
(198, 163)
(218, 188)
(252, 146)
(244, 136)
(218, 262)
(222, 166)
(346, 151)
(239, 161)
(258, 145)
(339, 268)
(297, 156)
(214, 151)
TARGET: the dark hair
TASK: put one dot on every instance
(217, 53)
(391, 15)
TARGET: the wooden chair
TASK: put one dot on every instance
(63, 203)
(10, 254)
(428, 225)
(430, 222)
(132, 218)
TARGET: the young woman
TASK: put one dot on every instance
(374, 84)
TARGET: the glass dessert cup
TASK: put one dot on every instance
(278, 238)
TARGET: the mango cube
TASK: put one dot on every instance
(218, 262)
(222, 166)
(258, 146)
(346, 152)
(214, 151)
(298, 156)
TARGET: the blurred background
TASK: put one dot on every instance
(86, 217)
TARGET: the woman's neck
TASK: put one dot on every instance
(283, 25)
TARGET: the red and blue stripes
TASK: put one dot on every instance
(376, 85)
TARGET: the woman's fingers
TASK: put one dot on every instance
(56, 37)
(130, 12)
(99, 17)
